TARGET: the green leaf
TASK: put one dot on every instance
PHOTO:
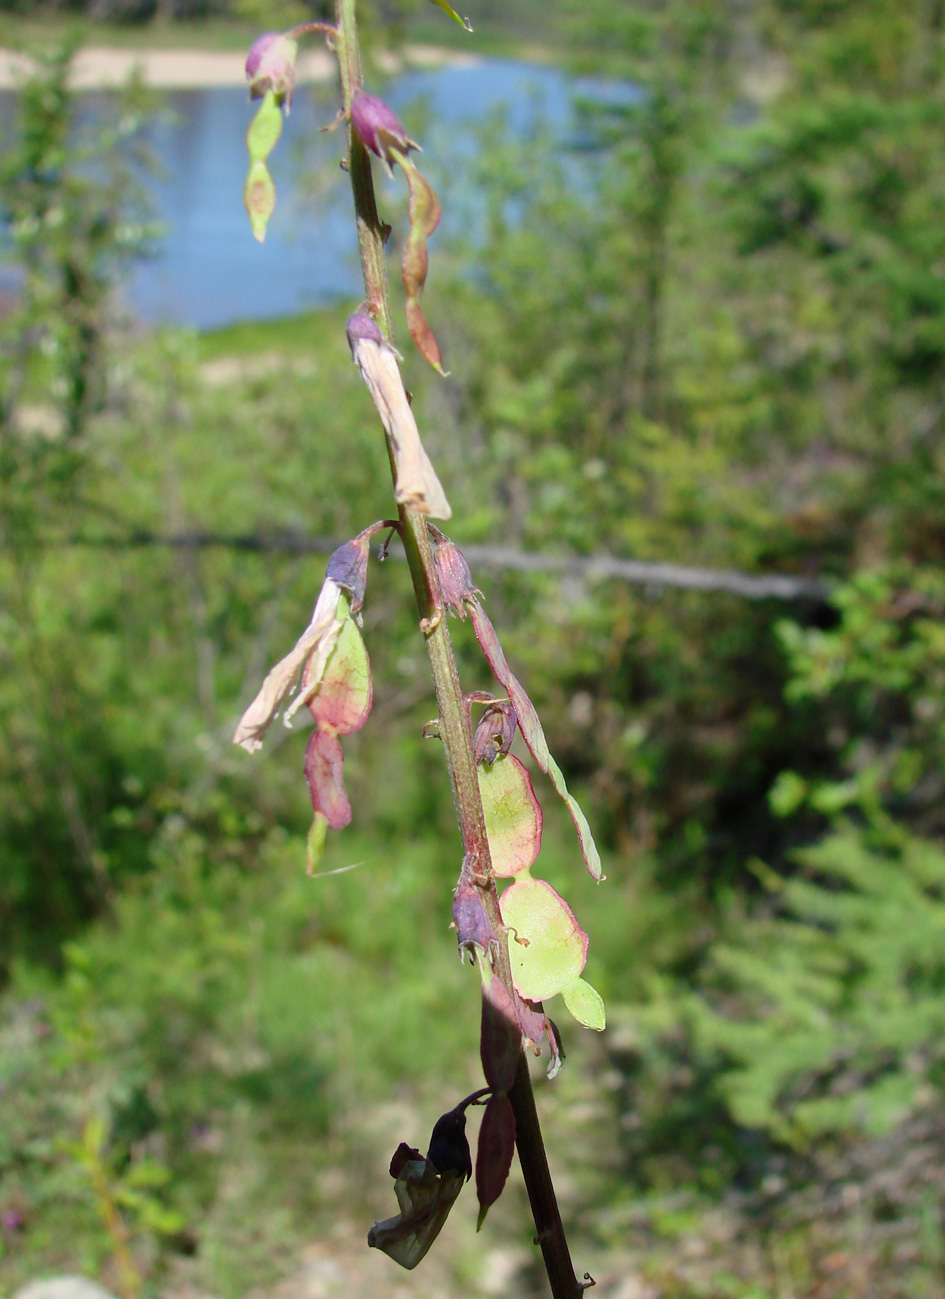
(447, 9)
(315, 842)
(585, 1004)
(787, 793)
(148, 1173)
(513, 817)
(128, 1198)
(547, 948)
(165, 1221)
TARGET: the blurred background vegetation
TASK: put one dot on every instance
(724, 348)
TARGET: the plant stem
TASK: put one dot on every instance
(549, 1230)
(371, 232)
(129, 1276)
(454, 727)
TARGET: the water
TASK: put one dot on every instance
(209, 270)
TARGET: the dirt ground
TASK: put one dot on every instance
(100, 67)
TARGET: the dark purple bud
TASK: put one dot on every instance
(494, 732)
(270, 65)
(378, 128)
(452, 573)
(12, 1220)
(449, 1148)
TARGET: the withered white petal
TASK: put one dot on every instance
(319, 636)
(416, 481)
(425, 1198)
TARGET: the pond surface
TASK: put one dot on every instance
(209, 271)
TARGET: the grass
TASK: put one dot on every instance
(30, 33)
(499, 31)
(299, 335)
(249, 1032)
(262, 1041)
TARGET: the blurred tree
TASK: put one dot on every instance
(838, 285)
(76, 212)
(825, 1009)
(76, 216)
(708, 334)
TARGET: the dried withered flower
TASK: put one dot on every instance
(416, 482)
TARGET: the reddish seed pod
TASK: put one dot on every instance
(494, 1154)
(323, 775)
(500, 1039)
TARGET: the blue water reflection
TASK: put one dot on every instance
(210, 271)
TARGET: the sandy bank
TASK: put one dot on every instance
(100, 67)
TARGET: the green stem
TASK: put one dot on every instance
(454, 727)
(129, 1276)
(371, 231)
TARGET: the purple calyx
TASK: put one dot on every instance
(270, 65)
(378, 128)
